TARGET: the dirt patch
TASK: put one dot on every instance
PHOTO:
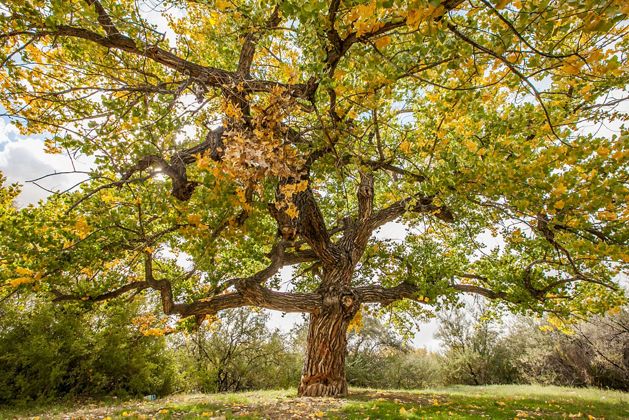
(209, 406)
(398, 397)
(292, 408)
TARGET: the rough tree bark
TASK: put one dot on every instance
(323, 374)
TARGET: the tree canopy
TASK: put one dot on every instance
(247, 136)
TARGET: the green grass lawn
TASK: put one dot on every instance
(457, 402)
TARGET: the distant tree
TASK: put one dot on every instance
(369, 344)
(251, 136)
(591, 354)
(476, 349)
(238, 352)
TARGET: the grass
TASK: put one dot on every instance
(456, 402)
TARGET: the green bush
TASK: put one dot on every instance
(51, 351)
(236, 352)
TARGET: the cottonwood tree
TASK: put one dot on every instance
(248, 136)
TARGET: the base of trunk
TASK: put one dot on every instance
(325, 388)
(323, 374)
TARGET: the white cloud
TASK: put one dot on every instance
(8, 133)
(23, 158)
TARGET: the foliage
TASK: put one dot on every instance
(236, 352)
(477, 350)
(378, 358)
(52, 352)
(488, 113)
(595, 353)
(480, 350)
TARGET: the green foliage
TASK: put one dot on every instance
(476, 350)
(469, 116)
(378, 358)
(595, 353)
(51, 352)
(236, 352)
(481, 350)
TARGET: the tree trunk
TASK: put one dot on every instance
(323, 374)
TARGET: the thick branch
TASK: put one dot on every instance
(470, 288)
(248, 47)
(256, 296)
(201, 74)
(384, 295)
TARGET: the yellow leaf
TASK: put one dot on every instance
(301, 186)
(194, 219)
(413, 18)
(81, 228)
(405, 147)
(51, 148)
(356, 324)
(602, 151)
(559, 189)
(502, 4)
(470, 145)
(614, 311)
(222, 4)
(292, 211)
(203, 162)
(382, 41)
(319, 413)
(24, 271)
(560, 204)
(20, 280)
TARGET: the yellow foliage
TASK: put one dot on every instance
(292, 211)
(20, 281)
(356, 324)
(203, 161)
(382, 41)
(51, 148)
(222, 4)
(603, 151)
(560, 189)
(194, 219)
(24, 271)
(470, 145)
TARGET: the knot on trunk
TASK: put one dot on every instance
(350, 304)
(347, 301)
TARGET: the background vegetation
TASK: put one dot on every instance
(50, 352)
